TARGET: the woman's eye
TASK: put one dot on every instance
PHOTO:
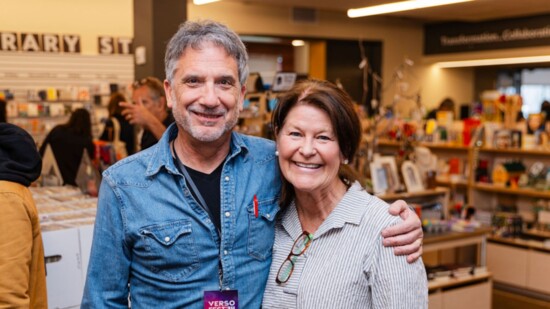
(296, 134)
(324, 138)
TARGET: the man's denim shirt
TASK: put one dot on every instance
(154, 242)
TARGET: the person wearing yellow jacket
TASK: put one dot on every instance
(22, 268)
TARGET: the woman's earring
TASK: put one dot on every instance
(277, 153)
(346, 161)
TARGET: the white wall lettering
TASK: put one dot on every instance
(106, 45)
(8, 41)
(51, 43)
(30, 42)
(125, 46)
(71, 43)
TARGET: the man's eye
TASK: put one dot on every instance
(191, 81)
(226, 82)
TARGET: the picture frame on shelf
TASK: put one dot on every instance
(392, 173)
(502, 139)
(411, 176)
(516, 141)
(379, 178)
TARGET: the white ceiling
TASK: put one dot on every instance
(478, 10)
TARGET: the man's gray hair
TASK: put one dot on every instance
(194, 33)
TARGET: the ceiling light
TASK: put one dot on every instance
(495, 61)
(398, 7)
(298, 43)
(201, 2)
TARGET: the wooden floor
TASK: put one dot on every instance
(506, 300)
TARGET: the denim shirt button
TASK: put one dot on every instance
(166, 239)
(225, 252)
(268, 216)
(226, 178)
(227, 214)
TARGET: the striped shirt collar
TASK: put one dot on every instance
(349, 210)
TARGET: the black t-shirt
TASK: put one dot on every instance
(148, 139)
(209, 188)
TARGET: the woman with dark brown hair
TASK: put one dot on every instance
(328, 250)
(68, 142)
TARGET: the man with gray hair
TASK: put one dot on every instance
(189, 222)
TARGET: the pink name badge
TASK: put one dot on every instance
(228, 299)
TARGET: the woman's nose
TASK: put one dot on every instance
(308, 148)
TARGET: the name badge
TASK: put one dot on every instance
(228, 299)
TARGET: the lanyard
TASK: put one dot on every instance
(200, 201)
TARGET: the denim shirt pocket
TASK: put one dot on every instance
(170, 249)
(261, 229)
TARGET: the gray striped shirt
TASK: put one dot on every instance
(346, 265)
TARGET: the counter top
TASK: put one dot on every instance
(522, 243)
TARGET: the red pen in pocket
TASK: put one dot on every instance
(255, 206)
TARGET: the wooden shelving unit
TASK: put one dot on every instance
(524, 192)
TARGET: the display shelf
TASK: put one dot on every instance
(408, 195)
(464, 291)
(524, 192)
(435, 146)
(452, 281)
(516, 151)
(56, 101)
(537, 234)
(520, 243)
(448, 182)
(52, 118)
(447, 240)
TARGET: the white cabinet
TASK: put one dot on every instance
(538, 274)
(521, 266)
(473, 296)
(508, 264)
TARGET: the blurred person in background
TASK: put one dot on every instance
(447, 105)
(126, 128)
(68, 142)
(148, 110)
(22, 267)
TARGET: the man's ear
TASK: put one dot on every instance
(241, 101)
(169, 101)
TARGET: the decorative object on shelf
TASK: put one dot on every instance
(502, 139)
(389, 165)
(515, 169)
(411, 176)
(379, 178)
(425, 161)
(500, 175)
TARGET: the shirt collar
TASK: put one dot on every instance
(349, 210)
(162, 155)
